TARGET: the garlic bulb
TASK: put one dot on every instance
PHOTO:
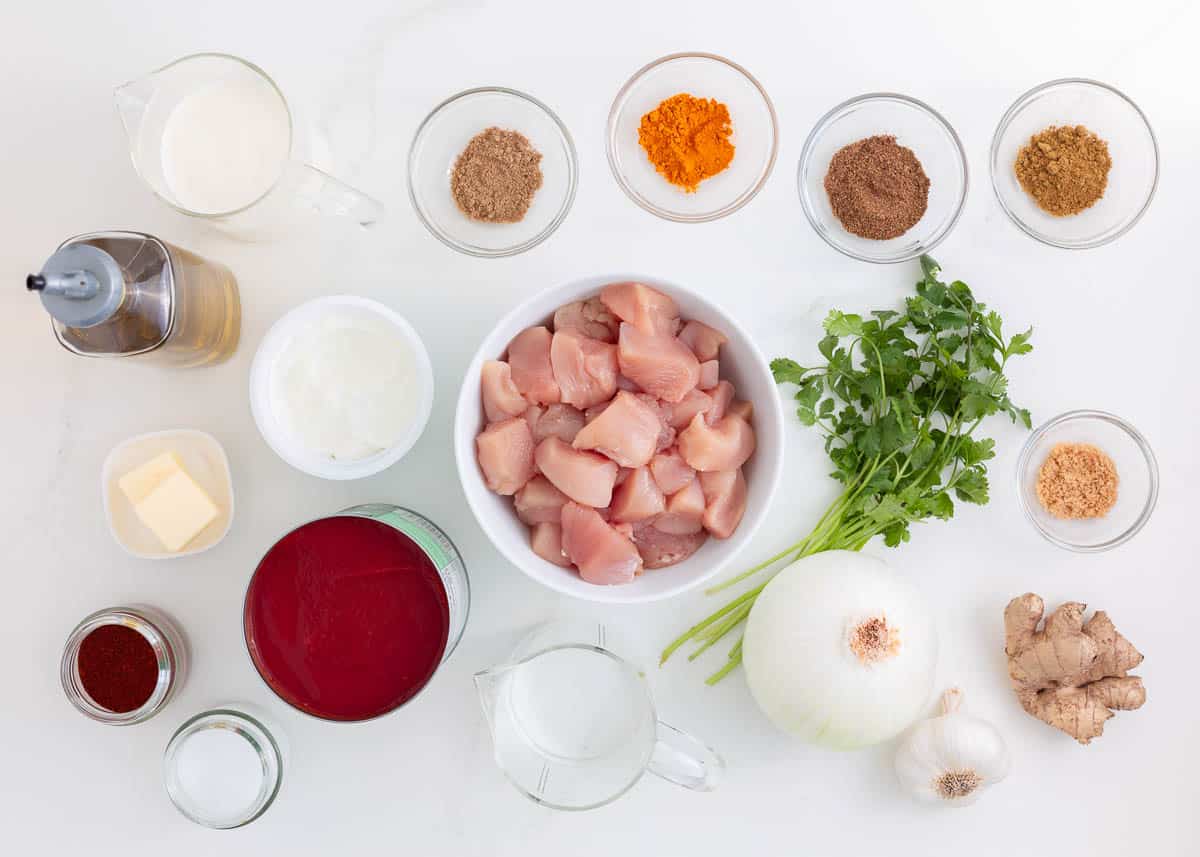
(951, 758)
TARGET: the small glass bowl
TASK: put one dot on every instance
(1131, 142)
(755, 136)
(444, 134)
(260, 748)
(916, 126)
(170, 650)
(1137, 472)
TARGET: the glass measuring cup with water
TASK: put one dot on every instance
(574, 724)
(213, 136)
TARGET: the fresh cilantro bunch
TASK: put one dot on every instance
(898, 398)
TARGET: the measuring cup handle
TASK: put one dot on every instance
(328, 195)
(681, 759)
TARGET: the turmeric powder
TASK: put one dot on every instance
(687, 139)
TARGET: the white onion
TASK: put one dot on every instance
(840, 650)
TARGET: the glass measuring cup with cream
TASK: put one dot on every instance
(213, 136)
(341, 387)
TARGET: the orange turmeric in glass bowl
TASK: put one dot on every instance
(687, 139)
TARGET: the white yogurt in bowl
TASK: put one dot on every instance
(341, 387)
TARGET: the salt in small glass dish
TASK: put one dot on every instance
(755, 136)
(1137, 475)
(246, 748)
(445, 133)
(916, 126)
(1113, 117)
(170, 651)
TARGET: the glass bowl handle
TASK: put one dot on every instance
(686, 761)
(332, 196)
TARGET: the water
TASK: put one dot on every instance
(577, 704)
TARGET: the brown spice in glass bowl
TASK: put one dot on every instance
(1077, 481)
(496, 176)
(1065, 169)
(877, 188)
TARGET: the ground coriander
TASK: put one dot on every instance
(496, 176)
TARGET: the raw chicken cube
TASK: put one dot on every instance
(695, 402)
(743, 409)
(725, 501)
(685, 511)
(723, 446)
(546, 541)
(722, 396)
(539, 501)
(585, 369)
(658, 363)
(529, 357)
(590, 318)
(505, 453)
(532, 414)
(659, 549)
(670, 471)
(710, 374)
(704, 341)
(602, 554)
(647, 309)
(585, 477)
(626, 431)
(638, 497)
(501, 398)
(560, 421)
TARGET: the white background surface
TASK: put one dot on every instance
(1115, 329)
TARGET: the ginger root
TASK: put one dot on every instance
(1071, 674)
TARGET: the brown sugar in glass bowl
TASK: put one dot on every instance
(1077, 480)
(1087, 480)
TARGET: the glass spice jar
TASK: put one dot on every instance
(108, 658)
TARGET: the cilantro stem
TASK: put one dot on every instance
(903, 457)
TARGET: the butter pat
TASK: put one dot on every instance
(139, 482)
(168, 501)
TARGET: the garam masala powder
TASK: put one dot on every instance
(687, 139)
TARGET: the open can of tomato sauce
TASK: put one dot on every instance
(348, 617)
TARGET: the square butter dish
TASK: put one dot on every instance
(204, 459)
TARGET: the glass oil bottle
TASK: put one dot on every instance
(129, 294)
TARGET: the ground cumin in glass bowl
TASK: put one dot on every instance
(755, 136)
(443, 136)
(1137, 485)
(1110, 115)
(916, 126)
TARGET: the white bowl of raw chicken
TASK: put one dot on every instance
(741, 363)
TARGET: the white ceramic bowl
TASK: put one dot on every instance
(741, 363)
(276, 435)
